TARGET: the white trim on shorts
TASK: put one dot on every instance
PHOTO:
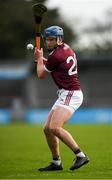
(70, 100)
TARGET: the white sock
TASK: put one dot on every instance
(80, 154)
(57, 162)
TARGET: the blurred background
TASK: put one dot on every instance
(88, 30)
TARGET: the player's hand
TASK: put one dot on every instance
(38, 53)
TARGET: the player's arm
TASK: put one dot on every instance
(41, 72)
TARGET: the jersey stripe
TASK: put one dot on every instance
(46, 69)
(68, 98)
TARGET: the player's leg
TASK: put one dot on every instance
(53, 143)
(59, 117)
(52, 140)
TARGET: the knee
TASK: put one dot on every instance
(54, 130)
(46, 129)
(51, 129)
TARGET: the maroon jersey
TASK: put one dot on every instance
(62, 64)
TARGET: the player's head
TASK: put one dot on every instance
(54, 36)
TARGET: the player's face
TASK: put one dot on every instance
(51, 43)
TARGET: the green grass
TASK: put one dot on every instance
(23, 148)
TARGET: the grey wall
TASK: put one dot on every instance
(96, 80)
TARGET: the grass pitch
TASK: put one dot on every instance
(23, 149)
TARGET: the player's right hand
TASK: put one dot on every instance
(38, 53)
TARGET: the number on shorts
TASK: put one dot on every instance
(73, 68)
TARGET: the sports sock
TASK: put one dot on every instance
(57, 162)
(79, 153)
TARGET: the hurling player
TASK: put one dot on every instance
(62, 65)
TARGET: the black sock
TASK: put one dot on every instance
(56, 158)
(77, 151)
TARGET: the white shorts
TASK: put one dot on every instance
(70, 100)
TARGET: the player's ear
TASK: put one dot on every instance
(59, 40)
